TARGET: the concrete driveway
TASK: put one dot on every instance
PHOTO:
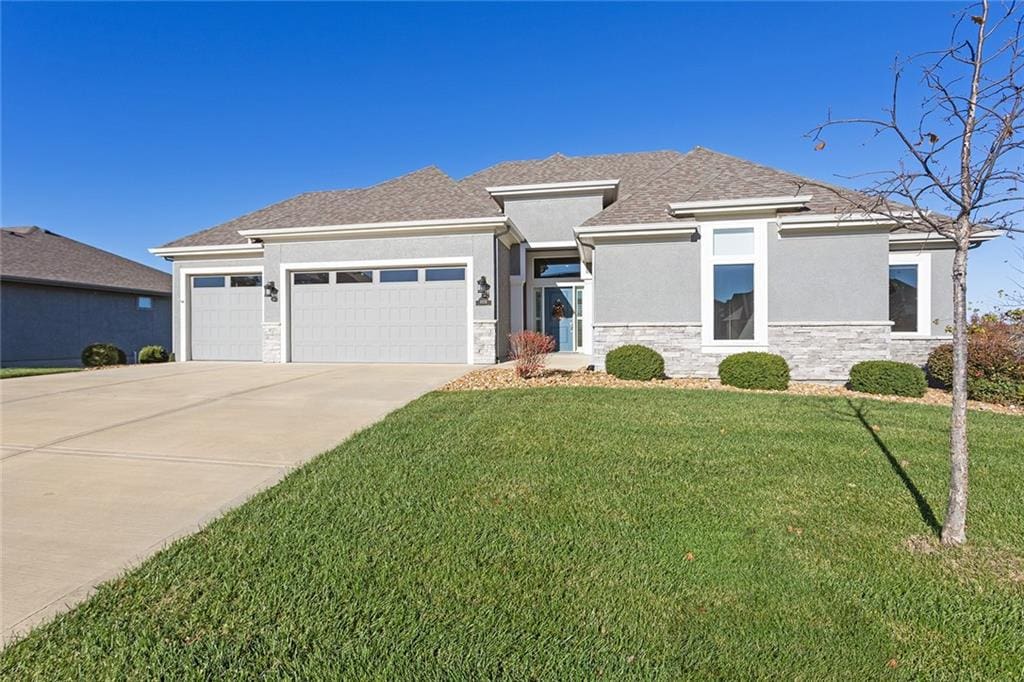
(101, 469)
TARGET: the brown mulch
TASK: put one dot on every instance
(494, 378)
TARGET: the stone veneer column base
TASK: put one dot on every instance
(814, 351)
(915, 351)
(485, 342)
(271, 342)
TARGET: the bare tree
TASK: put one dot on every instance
(959, 173)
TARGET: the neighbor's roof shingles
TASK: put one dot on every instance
(426, 194)
(37, 255)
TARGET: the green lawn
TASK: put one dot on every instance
(576, 533)
(16, 372)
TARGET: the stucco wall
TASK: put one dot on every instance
(501, 291)
(828, 278)
(46, 326)
(552, 220)
(942, 291)
(647, 282)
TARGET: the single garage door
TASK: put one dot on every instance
(399, 315)
(226, 317)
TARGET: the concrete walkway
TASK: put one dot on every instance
(101, 469)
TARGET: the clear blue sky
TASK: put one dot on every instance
(128, 125)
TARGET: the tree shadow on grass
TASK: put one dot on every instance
(925, 509)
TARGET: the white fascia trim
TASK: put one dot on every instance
(835, 223)
(568, 244)
(284, 289)
(221, 250)
(911, 239)
(727, 206)
(833, 323)
(184, 302)
(636, 230)
(576, 187)
(395, 228)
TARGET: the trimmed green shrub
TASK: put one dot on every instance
(635, 362)
(886, 377)
(148, 354)
(765, 371)
(103, 354)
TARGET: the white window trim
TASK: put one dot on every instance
(462, 262)
(923, 261)
(707, 285)
(185, 300)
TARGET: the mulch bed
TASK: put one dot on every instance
(495, 378)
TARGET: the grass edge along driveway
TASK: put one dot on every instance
(561, 533)
(19, 372)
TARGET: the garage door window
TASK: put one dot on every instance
(354, 277)
(399, 275)
(246, 281)
(446, 274)
(207, 282)
(312, 278)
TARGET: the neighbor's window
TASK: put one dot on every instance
(399, 275)
(246, 280)
(556, 268)
(312, 278)
(903, 297)
(207, 282)
(145, 303)
(446, 274)
(354, 277)
(732, 262)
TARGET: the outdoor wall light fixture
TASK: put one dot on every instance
(270, 291)
(484, 291)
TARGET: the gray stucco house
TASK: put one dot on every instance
(695, 254)
(58, 295)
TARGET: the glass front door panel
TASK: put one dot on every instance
(560, 317)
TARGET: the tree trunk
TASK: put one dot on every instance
(954, 530)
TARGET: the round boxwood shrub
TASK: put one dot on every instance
(766, 371)
(635, 362)
(886, 377)
(102, 354)
(149, 354)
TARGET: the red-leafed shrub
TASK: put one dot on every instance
(995, 360)
(528, 350)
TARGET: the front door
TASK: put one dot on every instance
(558, 306)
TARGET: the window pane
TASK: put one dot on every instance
(567, 268)
(207, 282)
(538, 308)
(903, 297)
(145, 302)
(446, 274)
(737, 241)
(579, 316)
(312, 278)
(354, 277)
(734, 301)
(246, 281)
(399, 275)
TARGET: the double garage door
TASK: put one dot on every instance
(367, 315)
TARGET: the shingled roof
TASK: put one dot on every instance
(426, 194)
(632, 170)
(32, 254)
(705, 175)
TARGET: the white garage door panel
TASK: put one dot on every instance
(379, 322)
(226, 323)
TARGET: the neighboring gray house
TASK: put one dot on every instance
(58, 295)
(698, 255)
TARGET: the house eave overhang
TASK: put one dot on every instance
(172, 252)
(732, 207)
(143, 291)
(589, 236)
(913, 241)
(609, 190)
(500, 226)
(794, 225)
